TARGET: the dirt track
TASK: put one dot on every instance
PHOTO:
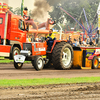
(52, 92)
(89, 91)
(7, 71)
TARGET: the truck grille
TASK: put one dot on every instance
(27, 46)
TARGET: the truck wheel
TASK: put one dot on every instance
(95, 62)
(18, 65)
(62, 56)
(38, 63)
(15, 51)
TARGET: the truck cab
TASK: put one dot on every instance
(12, 33)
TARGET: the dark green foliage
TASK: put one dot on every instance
(74, 7)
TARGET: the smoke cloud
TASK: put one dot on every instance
(41, 10)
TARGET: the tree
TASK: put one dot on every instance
(74, 8)
(11, 9)
(17, 11)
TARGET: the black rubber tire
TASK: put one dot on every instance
(48, 65)
(35, 63)
(57, 56)
(93, 65)
(18, 65)
(15, 49)
(32, 63)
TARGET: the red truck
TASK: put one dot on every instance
(13, 30)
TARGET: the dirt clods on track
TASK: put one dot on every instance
(86, 91)
(82, 91)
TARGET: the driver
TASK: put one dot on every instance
(50, 39)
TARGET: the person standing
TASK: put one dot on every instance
(88, 40)
(25, 16)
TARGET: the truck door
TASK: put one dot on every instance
(5, 50)
(2, 25)
(18, 32)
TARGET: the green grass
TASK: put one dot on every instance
(46, 81)
(3, 60)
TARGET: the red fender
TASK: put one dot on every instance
(92, 56)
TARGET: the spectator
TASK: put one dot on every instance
(77, 42)
(91, 39)
(80, 38)
(88, 40)
(80, 42)
(93, 43)
(96, 40)
(70, 41)
(84, 42)
(28, 39)
(74, 43)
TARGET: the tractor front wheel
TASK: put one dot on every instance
(38, 63)
(18, 65)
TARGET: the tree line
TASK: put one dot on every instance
(73, 7)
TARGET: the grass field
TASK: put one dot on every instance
(46, 81)
(3, 60)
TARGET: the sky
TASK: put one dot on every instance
(17, 3)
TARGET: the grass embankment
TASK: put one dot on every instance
(3, 60)
(46, 81)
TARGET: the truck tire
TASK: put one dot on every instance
(18, 65)
(38, 63)
(15, 51)
(95, 62)
(62, 56)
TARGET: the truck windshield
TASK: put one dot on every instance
(1, 20)
(21, 25)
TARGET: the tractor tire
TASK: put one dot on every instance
(18, 65)
(32, 63)
(62, 56)
(38, 63)
(48, 64)
(95, 63)
(15, 51)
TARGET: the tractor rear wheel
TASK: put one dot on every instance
(62, 56)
